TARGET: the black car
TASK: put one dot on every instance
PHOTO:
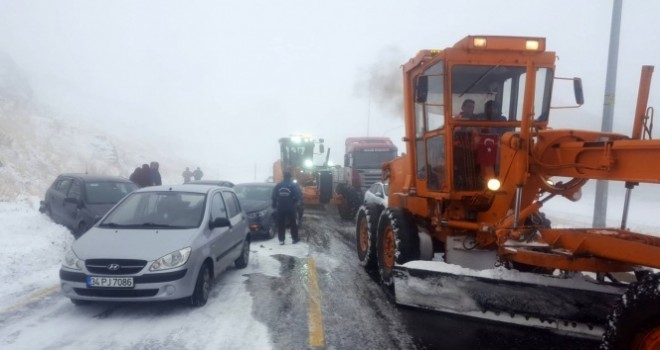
(212, 182)
(78, 201)
(256, 199)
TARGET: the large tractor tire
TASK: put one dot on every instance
(365, 234)
(352, 199)
(325, 186)
(635, 322)
(397, 242)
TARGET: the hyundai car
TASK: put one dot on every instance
(159, 243)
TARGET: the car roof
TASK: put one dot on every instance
(271, 184)
(95, 177)
(198, 188)
(211, 182)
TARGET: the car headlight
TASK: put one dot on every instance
(171, 260)
(258, 214)
(71, 261)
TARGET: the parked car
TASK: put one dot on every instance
(377, 193)
(212, 182)
(256, 198)
(159, 243)
(77, 201)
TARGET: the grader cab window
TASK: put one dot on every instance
(429, 97)
(497, 94)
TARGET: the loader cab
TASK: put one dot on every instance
(454, 152)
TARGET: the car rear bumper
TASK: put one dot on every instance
(147, 287)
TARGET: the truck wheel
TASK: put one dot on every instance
(397, 242)
(325, 187)
(635, 322)
(351, 202)
(365, 234)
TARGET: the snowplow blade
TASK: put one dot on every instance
(577, 306)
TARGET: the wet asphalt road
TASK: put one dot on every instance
(358, 314)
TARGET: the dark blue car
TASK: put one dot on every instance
(256, 201)
(77, 201)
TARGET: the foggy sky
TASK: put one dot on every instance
(219, 82)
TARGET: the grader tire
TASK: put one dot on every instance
(365, 234)
(635, 322)
(397, 242)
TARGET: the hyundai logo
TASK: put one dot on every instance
(113, 267)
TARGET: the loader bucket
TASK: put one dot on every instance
(577, 306)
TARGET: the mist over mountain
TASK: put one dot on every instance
(36, 146)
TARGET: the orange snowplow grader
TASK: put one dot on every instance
(463, 232)
(315, 180)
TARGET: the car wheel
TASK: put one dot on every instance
(202, 287)
(243, 260)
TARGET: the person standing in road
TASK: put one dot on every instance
(155, 174)
(286, 197)
(197, 174)
(187, 175)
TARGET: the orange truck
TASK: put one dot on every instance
(464, 232)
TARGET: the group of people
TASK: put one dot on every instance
(146, 175)
(492, 113)
(189, 175)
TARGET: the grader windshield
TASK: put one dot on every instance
(297, 152)
(486, 101)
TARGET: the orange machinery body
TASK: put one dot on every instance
(430, 180)
(295, 151)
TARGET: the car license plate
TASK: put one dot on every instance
(109, 282)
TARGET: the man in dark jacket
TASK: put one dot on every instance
(286, 198)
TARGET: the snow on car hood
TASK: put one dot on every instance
(251, 205)
(143, 244)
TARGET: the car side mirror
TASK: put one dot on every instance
(219, 222)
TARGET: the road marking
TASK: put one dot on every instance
(314, 317)
(32, 298)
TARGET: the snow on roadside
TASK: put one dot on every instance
(31, 251)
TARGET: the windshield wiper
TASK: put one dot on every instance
(478, 80)
(111, 224)
(152, 224)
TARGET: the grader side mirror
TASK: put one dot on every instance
(577, 88)
(421, 89)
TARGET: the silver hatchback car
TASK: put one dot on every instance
(159, 243)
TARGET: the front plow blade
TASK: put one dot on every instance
(576, 305)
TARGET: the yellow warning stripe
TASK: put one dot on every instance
(314, 317)
(32, 298)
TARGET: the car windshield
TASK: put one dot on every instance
(163, 209)
(107, 192)
(256, 193)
